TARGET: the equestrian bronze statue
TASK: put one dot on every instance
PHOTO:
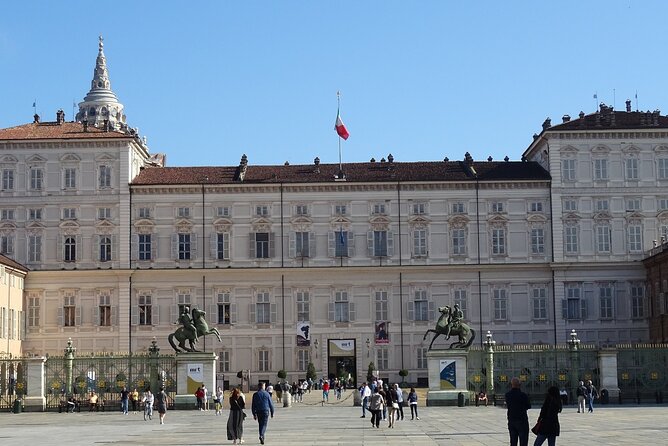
(193, 326)
(451, 323)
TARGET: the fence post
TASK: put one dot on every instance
(69, 359)
(607, 364)
(154, 353)
(35, 399)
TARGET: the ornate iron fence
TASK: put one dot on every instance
(13, 383)
(642, 372)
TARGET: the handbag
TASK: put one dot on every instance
(395, 405)
(536, 428)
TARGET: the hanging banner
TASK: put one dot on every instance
(448, 374)
(341, 347)
(195, 377)
(381, 335)
(303, 334)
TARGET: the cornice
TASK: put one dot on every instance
(39, 145)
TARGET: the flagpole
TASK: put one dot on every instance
(338, 109)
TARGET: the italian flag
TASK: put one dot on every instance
(340, 127)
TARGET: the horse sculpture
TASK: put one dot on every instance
(447, 326)
(183, 334)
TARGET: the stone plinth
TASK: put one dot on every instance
(607, 363)
(34, 400)
(193, 370)
(447, 377)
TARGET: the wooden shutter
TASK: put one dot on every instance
(272, 245)
(174, 314)
(331, 244)
(175, 246)
(155, 315)
(212, 313)
(431, 311)
(193, 246)
(619, 310)
(583, 309)
(61, 318)
(77, 316)
(564, 308)
(96, 315)
(233, 313)
(351, 311)
(311, 244)
(390, 243)
(95, 245)
(272, 313)
(251, 312)
(251, 238)
(351, 244)
(134, 315)
(134, 247)
(292, 243)
(213, 245)
(369, 243)
(78, 248)
(330, 312)
(114, 316)
(410, 310)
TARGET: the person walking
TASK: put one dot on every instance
(125, 395)
(548, 420)
(580, 392)
(517, 403)
(392, 405)
(412, 401)
(365, 393)
(199, 394)
(134, 399)
(262, 408)
(148, 400)
(325, 391)
(161, 402)
(235, 422)
(590, 395)
(218, 400)
(376, 403)
(205, 397)
(400, 400)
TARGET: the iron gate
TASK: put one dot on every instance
(13, 383)
(642, 372)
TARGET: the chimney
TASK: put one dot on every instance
(565, 118)
(547, 123)
(60, 116)
(390, 158)
(628, 105)
(316, 161)
(243, 166)
(85, 126)
(35, 118)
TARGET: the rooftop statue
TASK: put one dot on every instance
(193, 326)
(451, 323)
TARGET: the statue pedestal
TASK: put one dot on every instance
(193, 370)
(447, 377)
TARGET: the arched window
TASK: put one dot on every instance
(70, 252)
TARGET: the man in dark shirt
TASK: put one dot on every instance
(262, 408)
(517, 403)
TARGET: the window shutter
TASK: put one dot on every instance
(134, 315)
(251, 238)
(226, 245)
(431, 311)
(77, 316)
(95, 248)
(331, 244)
(311, 244)
(61, 318)
(155, 315)
(193, 246)
(351, 312)
(114, 247)
(96, 315)
(390, 243)
(175, 246)
(272, 245)
(61, 250)
(369, 243)
(351, 244)
(154, 247)
(213, 245)
(330, 312)
(251, 312)
(410, 310)
(212, 314)
(114, 315)
(22, 332)
(78, 248)
(134, 247)
(174, 313)
(583, 309)
(272, 313)
(564, 308)
(233, 313)
(292, 250)
(619, 310)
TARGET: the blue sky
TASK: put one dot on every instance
(206, 81)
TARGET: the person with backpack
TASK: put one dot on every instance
(580, 393)
(591, 394)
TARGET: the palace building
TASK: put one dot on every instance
(335, 265)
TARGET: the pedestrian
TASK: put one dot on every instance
(205, 397)
(218, 400)
(270, 391)
(199, 394)
(125, 395)
(392, 405)
(235, 422)
(383, 390)
(590, 395)
(548, 420)
(376, 403)
(580, 392)
(412, 401)
(365, 393)
(148, 400)
(262, 408)
(161, 400)
(134, 399)
(400, 400)
(325, 391)
(517, 403)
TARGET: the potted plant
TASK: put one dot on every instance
(403, 373)
(282, 392)
(310, 372)
(369, 373)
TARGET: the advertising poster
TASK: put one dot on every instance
(381, 335)
(341, 347)
(448, 374)
(195, 377)
(303, 334)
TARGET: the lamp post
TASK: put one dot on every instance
(69, 359)
(368, 347)
(153, 353)
(489, 344)
(573, 346)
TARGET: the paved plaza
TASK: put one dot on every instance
(310, 423)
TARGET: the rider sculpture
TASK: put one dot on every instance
(193, 326)
(451, 323)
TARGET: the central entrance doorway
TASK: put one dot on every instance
(342, 360)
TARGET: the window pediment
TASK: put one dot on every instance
(379, 220)
(498, 220)
(104, 157)
(536, 218)
(635, 215)
(571, 217)
(183, 226)
(9, 159)
(7, 226)
(663, 215)
(631, 150)
(222, 225)
(70, 158)
(69, 227)
(602, 216)
(105, 227)
(419, 220)
(600, 150)
(568, 150)
(301, 220)
(35, 159)
(34, 225)
(339, 221)
(661, 149)
(458, 221)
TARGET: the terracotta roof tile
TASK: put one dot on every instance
(53, 130)
(622, 120)
(4, 260)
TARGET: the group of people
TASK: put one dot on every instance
(386, 402)
(547, 425)
(262, 409)
(148, 399)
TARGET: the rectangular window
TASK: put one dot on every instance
(605, 301)
(302, 360)
(224, 361)
(498, 241)
(105, 248)
(602, 205)
(104, 178)
(419, 208)
(662, 204)
(303, 306)
(570, 205)
(421, 353)
(223, 246)
(7, 215)
(69, 214)
(663, 168)
(458, 241)
(497, 207)
(145, 310)
(380, 243)
(33, 311)
(341, 244)
(603, 238)
(421, 306)
(571, 239)
(70, 249)
(263, 361)
(458, 208)
(69, 312)
(183, 300)
(460, 298)
(144, 246)
(261, 245)
(341, 313)
(223, 211)
(301, 244)
(420, 242)
(7, 245)
(224, 308)
(144, 213)
(500, 305)
(633, 204)
(537, 241)
(36, 178)
(261, 211)
(382, 359)
(34, 248)
(600, 169)
(635, 238)
(183, 212)
(34, 214)
(568, 169)
(539, 301)
(536, 206)
(637, 301)
(340, 209)
(381, 305)
(631, 169)
(104, 213)
(69, 178)
(262, 309)
(301, 209)
(105, 311)
(378, 209)
(7, 179)
(184, 246)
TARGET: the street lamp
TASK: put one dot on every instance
(573, 342)
(489, 344)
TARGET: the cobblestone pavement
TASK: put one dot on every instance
(335, 423)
